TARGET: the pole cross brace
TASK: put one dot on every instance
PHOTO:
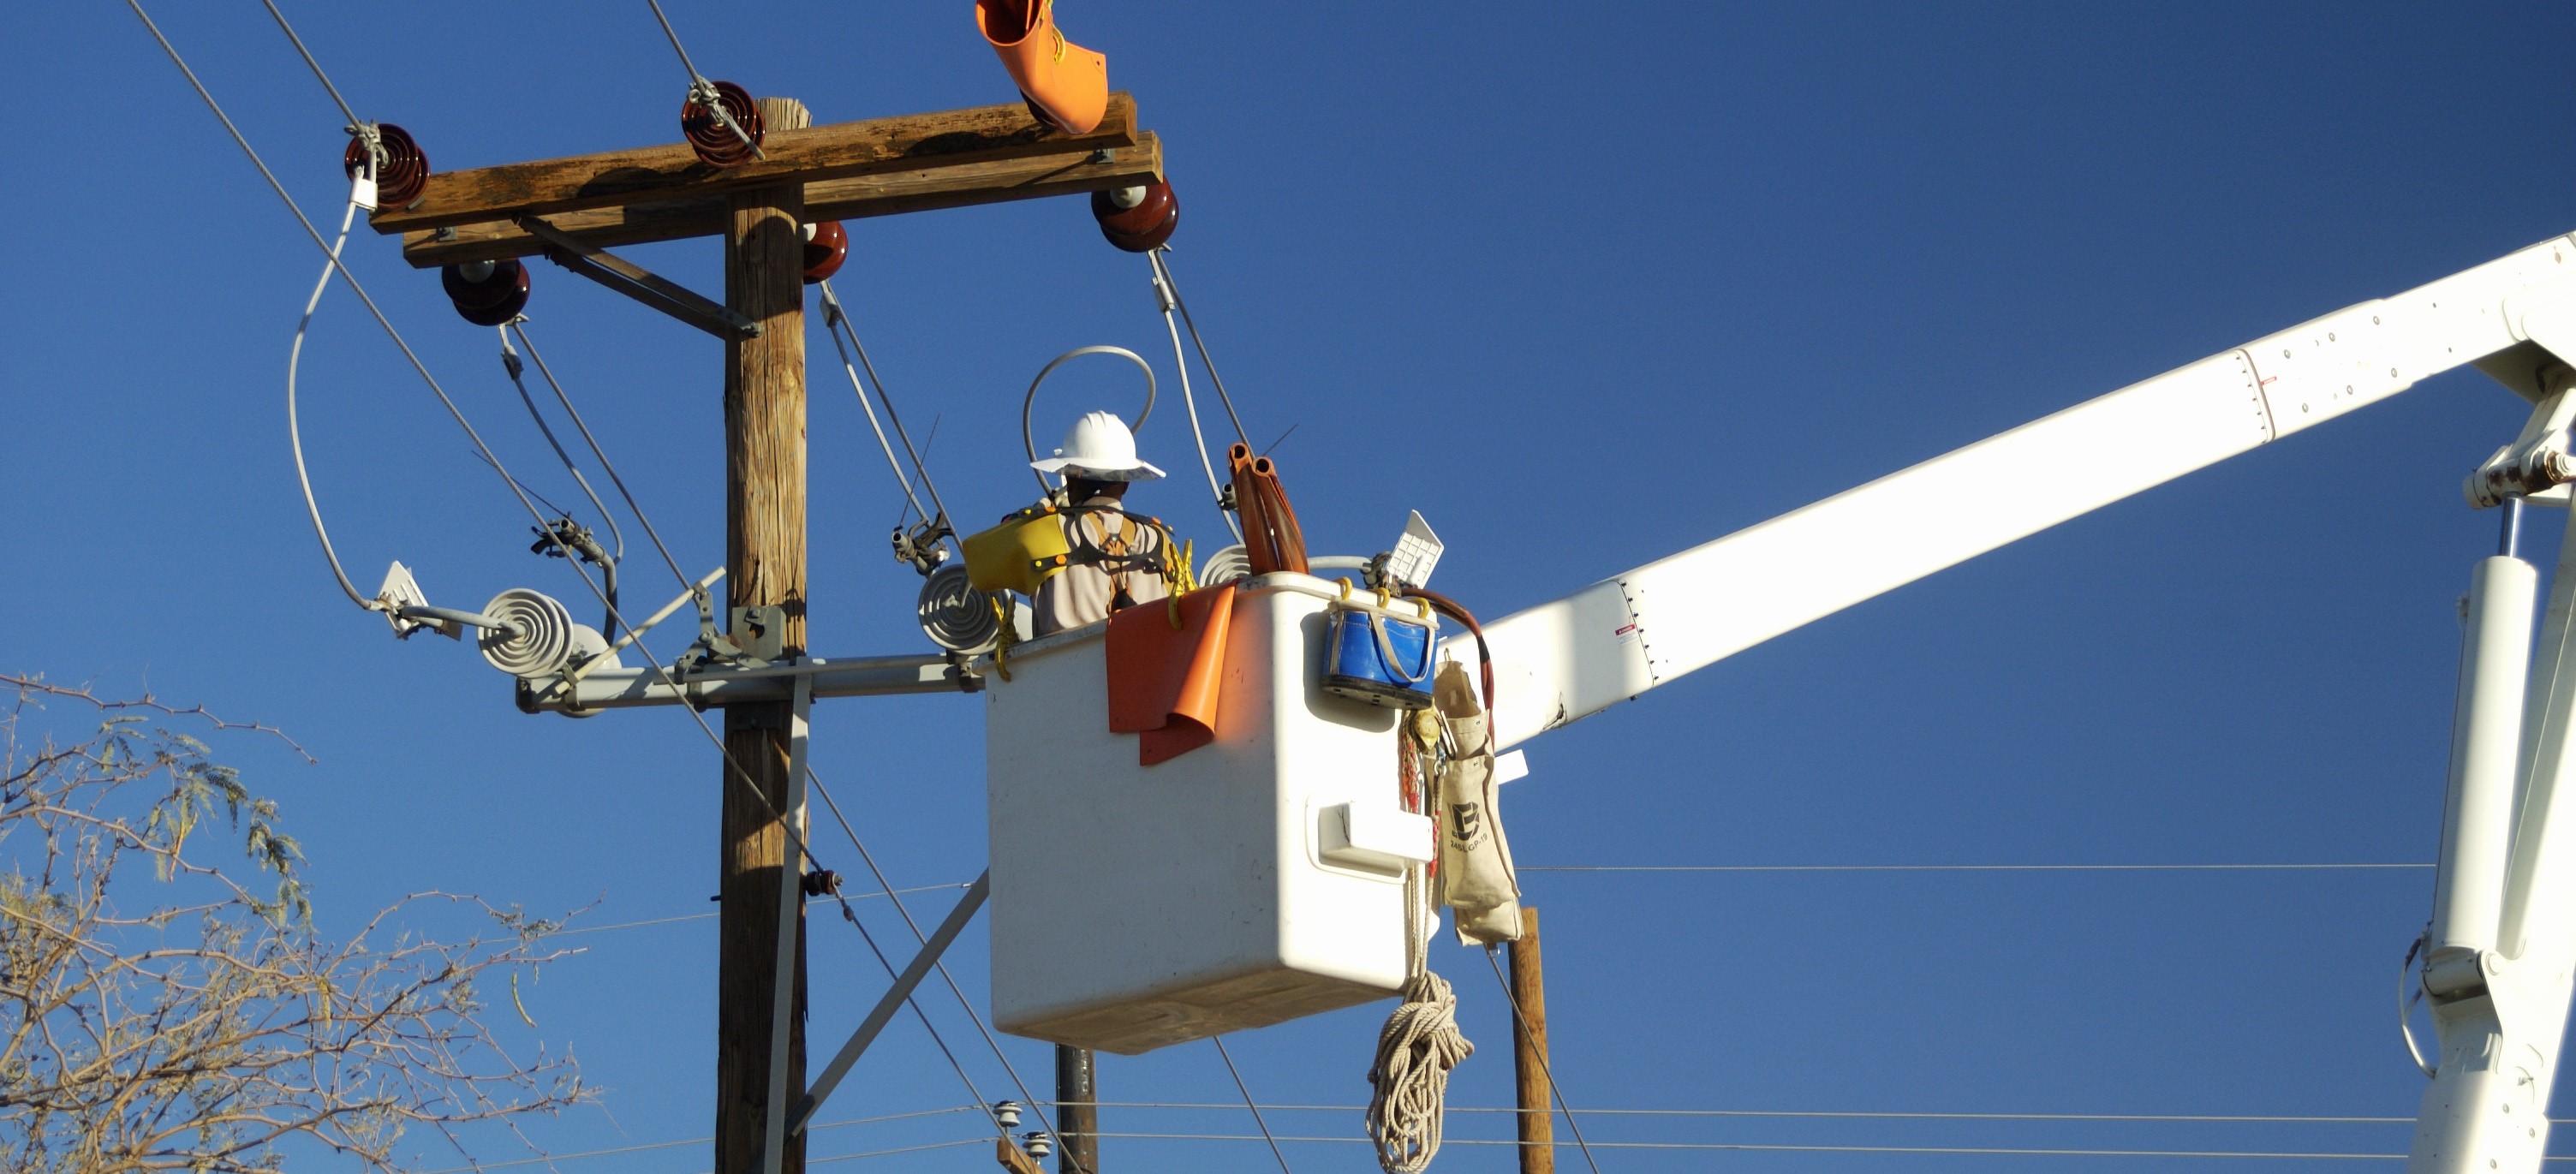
(639, 283)
(894, 998)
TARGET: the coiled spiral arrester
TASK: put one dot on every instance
(402, 170)
(716, 144)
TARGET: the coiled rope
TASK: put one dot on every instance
(1415, 1051)
(1409, 1080)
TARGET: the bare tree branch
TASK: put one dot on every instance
(161, 1012)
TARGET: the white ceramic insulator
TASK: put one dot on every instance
(2486, 753)
(545, 641)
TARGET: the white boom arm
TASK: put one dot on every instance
(2502, 947)
(1624, 635)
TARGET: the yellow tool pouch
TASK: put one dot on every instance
(1022, 552)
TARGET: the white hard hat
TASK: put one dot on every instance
(1098, 448)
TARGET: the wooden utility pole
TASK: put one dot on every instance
(1529, 1050)
(764, 414)
(1077, 1110)
(572, 210)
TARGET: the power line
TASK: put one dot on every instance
(703, 916)
(1850, 1149)
(1545, 1070)
(606, 465)
(836, 322)
(1819, 1113)
(968, 1005)
(736, 771)
(1966, 867)
(664, 1145)
(1246, 1090)
(910, 1149)
(356, 124)
(1841, 1149)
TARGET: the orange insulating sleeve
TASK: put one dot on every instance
(1066, 85)
(1272, 540)
(1163, 679)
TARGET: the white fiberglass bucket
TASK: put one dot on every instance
(1138, 906)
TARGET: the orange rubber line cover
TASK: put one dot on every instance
(1163, 680)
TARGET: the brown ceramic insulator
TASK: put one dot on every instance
(824, 252)
(492, 301)
(1143, 228)
(405, 169)
(715, 143)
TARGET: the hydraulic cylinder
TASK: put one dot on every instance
(2486, 748)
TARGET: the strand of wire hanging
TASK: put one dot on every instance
(1167, 297)
(837, 321)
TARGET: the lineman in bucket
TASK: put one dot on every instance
(1117, 557)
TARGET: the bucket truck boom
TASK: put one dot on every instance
(1641, 628)
(2500, 951)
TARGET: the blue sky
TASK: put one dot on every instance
(1585, 284)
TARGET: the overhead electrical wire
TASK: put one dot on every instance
(1165, 300)
(334, 263)
(702, 90)
(520, 326)
(1546, 1071)
(1966, 867)
(887, 887)
(1163, 268)
(735, 769)
(1248, 1103)
(664, 1145)
(703, 916)
(837, 323)
(2133, 1118)
(1760, 1147)
(294, 431)
(354, 121)
(510, 363)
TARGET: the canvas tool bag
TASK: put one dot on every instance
(1476, 879)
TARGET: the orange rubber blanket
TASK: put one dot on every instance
(1163, 680)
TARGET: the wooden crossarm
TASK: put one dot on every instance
(1014, 1160)
(944, 185)
(612, 179)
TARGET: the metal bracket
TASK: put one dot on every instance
(791, 914)
(760, 631)
(893, 1000)
(637, 282)
(2537, 464)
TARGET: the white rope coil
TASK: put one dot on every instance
(1415, 1052)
